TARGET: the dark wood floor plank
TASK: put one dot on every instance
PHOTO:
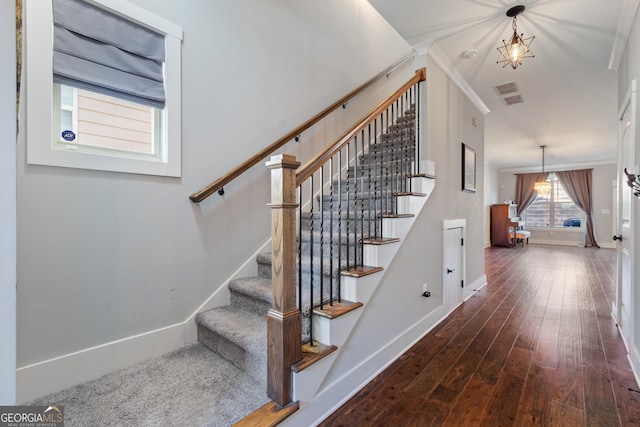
(568, 383)
(627, 401)
(503, 404)
(470, 406)
(519, 362)
(535, 405)
(599, 401)
(565, 415)
(536, 346)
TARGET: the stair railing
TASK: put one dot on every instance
(218, 184)
(341, 196)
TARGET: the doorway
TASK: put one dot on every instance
(453, 260)
(623, 304)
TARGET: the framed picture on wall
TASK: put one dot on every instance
(468, 169)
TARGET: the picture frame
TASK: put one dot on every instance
(468, 169)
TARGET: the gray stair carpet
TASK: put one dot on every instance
(188, 387)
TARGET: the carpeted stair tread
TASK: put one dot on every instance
(247, 330)
(254, 287)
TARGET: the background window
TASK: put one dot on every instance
(114, 121)
(557, 210)
(104, 123)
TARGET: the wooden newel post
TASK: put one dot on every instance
(284, 325)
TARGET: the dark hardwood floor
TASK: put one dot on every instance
(536, 346)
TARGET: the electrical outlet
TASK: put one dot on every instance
(424, 288)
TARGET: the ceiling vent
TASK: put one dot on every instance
(510, 93)
(507, 88)
(513, 99)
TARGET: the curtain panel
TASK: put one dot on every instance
(578, 185)
(524, 189)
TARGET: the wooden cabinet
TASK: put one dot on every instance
(500, 222)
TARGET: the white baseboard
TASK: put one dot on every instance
(338, 392)
(474, 286)
(567, 243)
(55, 374)
(553, 242)
(42, 378)
(634, 360)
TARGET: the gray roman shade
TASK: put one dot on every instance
(99, 51)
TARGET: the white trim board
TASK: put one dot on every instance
(429, 48)
(8, 230)
(353, 381)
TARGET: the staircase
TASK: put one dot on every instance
(335, 229)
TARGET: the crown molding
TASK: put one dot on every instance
(559, 167)
(625, 22)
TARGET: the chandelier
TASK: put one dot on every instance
(543, 188)
(517, 48)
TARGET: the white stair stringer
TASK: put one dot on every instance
(307, 382)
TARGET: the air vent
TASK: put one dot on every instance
(507, 88)
(513, 99)
(509, 93)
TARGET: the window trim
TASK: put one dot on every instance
(39, 95)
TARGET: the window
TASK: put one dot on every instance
(555, 211)
(102, 124)
(99, 119)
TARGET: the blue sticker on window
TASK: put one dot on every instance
(68, 135)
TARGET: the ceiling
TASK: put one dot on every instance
(569, 91)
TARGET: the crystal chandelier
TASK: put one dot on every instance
(543, 188)
(517, 48)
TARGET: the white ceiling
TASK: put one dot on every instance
(570, 94)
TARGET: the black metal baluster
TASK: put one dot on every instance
(418, 128)
(394, 166)
(369, 146)
(300, 248)
(339, 222)
(331, 273)
(388, 144)
(321, 207)
(360, 246)
(378, 232)
(348, 216)
(311, 262)
(355, 201)
(405, 146)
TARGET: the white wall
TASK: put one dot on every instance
(603, 176)
(7, 204)
(112, 265)
(491, 197)
(628, 71)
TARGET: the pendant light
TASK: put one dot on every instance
(517, 48)
(543, 188)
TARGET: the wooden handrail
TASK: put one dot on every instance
(261, 155)
(314, 164)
